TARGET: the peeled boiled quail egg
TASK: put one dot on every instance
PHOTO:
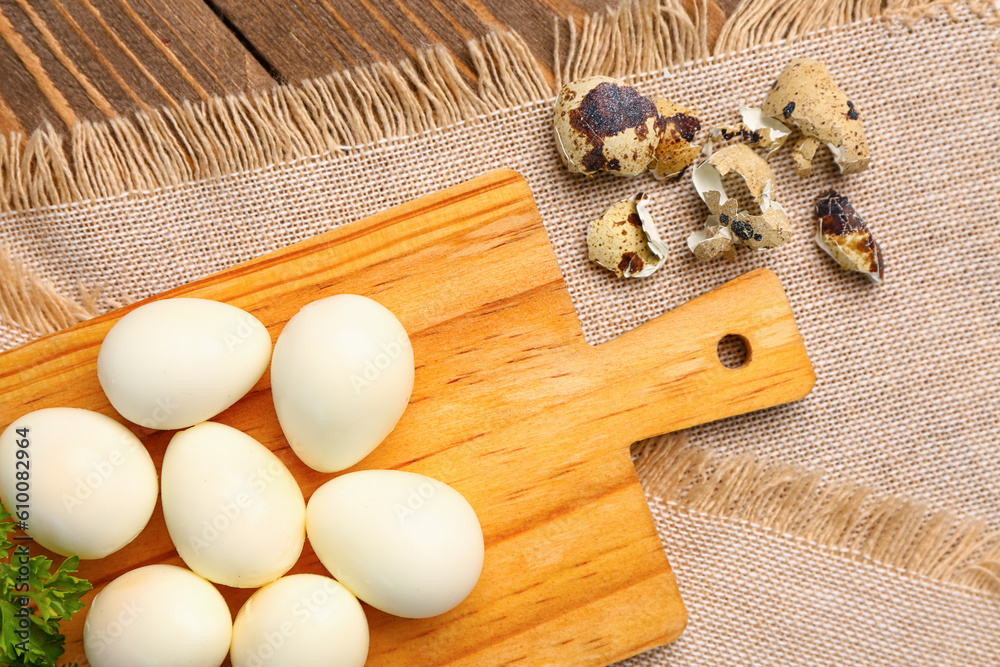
(341, 377)
(158, 615)
(234, 512)
(173, 363)
(405, 543)
(305, 620)
(82, 482)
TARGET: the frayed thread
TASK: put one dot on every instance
(239, 133)
(803, 504)
(32, 303)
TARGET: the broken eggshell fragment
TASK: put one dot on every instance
(676, 150)
(768, 229)
(756, 128)
(603, 124)
(712, 241)
(624, 240)
(806, 96)
(738, 158)
(844, 235)
(802, 155)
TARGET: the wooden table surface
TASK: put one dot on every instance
(67, 60)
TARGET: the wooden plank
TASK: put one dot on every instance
(510, 406)
(310, 38)
(67, 60)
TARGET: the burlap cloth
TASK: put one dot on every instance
(856, 526)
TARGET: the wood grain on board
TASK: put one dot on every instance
(68, 60)
(310, 38)
(510, 406)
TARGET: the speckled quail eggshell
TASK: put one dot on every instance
(805, 95)
(92, 484)
(770, 132)
(403, 542)
(616, 240)
(603, 124)
(173, 363)
(844, 235)
(742, 159)
(770, 229)
(341, 378)
(711, 242)
(625, 241)
(675, 150)
(233, 510)
(305, 620)
(157, 616)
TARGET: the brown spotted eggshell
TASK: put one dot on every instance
(844, 235)
(624, 239)
(603, 124)
(806, 96)
(676, 149)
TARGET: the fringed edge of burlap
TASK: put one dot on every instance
(228, 135)
(33, 303)
(240, 133)
(641, 37)
(758, 22)
(850, 518)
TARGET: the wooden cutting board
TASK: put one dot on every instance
(510, 406)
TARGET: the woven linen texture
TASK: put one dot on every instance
(757, 598)
(907, 396)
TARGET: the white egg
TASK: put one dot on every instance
(173, 363)
(405, 543)
(233, 511)
(83, 483)
(341, 377)
(304, 620)
(157, 616)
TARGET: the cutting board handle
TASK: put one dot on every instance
(667, 375)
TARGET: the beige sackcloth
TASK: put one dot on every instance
(855, 527)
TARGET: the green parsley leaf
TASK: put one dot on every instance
(50, 596)
(6, 527)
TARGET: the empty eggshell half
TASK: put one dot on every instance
(844, 235)
(712, 241)
(157, 615)
(405, 543)
(305, 620)
(805, 95)
(603, 124)
(624, 239)
(92, 483)
(341, 377)
(233, 510)
(175, 362)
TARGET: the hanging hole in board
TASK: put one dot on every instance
(734, 351)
